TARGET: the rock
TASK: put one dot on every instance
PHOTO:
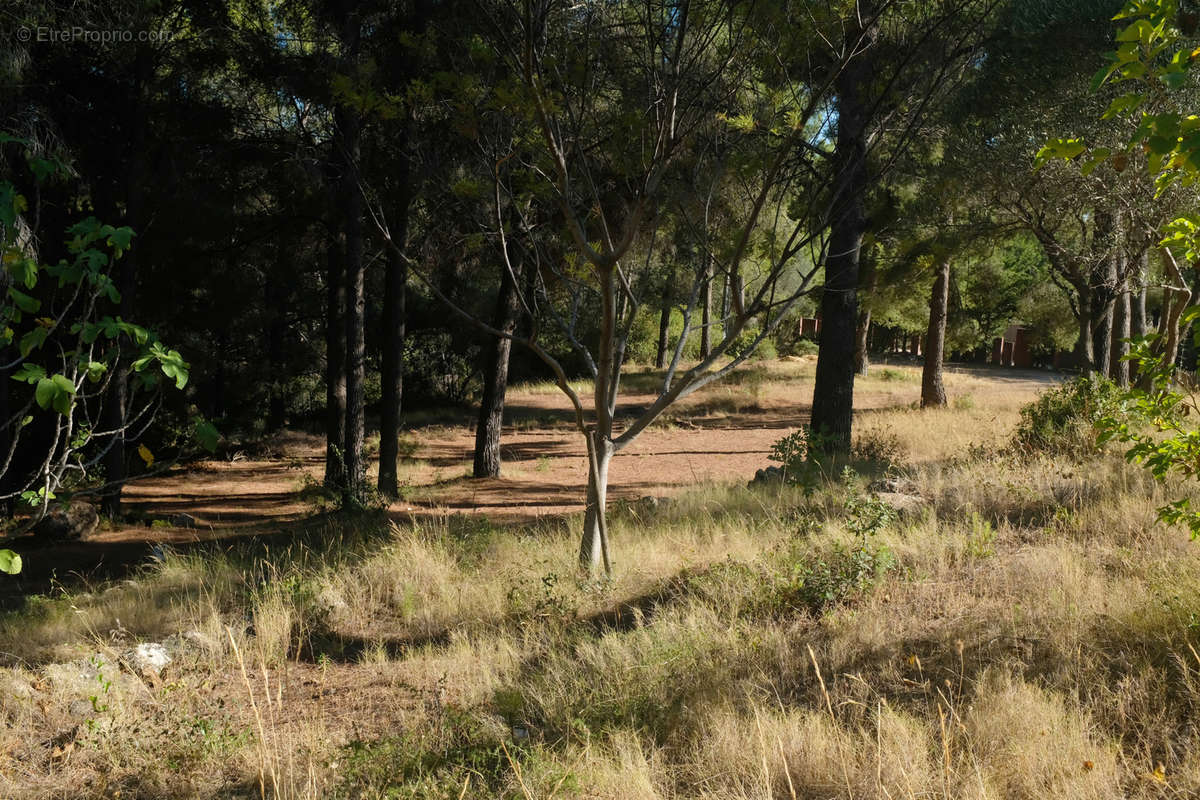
(895, 484)
(183, 521)
(148, 657)
(769, 475)
(80, 708)
(906, 505)
(78, 520)
(188, 642)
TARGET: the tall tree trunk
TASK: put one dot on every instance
(347, 139)
(275, 297)
(1102, 338)
(933, 391)
(833, 392)
(664, 322)
(116, 404)
(395, 301)
(1083, 355)
(1118, 366)
(335, 361)
(1138, 325)
(706, 308)
(495, 379)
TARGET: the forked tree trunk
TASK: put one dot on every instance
(593, 550)
(933, 390)
(495, 380)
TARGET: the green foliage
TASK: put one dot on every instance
(792, 451)
(73, 344)
(1064, 420)
(1156, 419)
(10, 562)
(849, 569)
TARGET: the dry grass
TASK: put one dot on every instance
(1034, 637)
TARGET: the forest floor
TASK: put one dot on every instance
(722, 433)
(1025, 630)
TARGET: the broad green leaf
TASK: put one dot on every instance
(1095, 158)
(30, 305)
(10, 562)
(207, 435)
(1123, 105)
(34, 339)
(44, 393)
(29, 373)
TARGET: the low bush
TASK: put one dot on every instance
(1063, 420)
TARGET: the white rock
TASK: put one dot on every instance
(148, 656)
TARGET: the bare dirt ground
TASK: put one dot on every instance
(721, 434)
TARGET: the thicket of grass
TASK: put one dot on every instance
(1032, 634)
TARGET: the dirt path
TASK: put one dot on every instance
(724, 434)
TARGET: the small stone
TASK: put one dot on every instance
(768, 475)
(903, 504)
(78, 520)
(895, 485)
(188, 642)
(80, 708)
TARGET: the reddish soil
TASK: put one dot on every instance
(722, 434)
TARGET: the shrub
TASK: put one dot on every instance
(850, 569)
(1064, 420)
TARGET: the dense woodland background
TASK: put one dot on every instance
(324, 195)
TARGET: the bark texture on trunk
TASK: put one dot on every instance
(495, 379)
(593, 550)
(1138, 325)
(1118, 366)
(833, 392)
(664, 322)
(335, 362)
(862, 343)
(593, 546)
(706, 309)
(933, 390)
(868, 281)
(1102, 340)
(1083, 344)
